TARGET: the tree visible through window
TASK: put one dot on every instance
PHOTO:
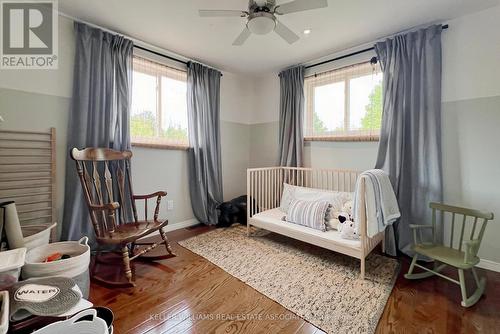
(344, 104)
(373, 116)
(159, 106)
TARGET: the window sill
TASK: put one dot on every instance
(161, 146)
(372, 138)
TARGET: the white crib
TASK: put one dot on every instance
(264, 189)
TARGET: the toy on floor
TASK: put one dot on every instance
(234, 211)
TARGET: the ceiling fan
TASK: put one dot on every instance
(261, 17)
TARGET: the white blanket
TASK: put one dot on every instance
(380, 201)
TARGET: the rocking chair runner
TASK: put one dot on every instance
(452, 254)
(108, 196)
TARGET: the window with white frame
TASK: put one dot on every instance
(344, 104)
(159, 105)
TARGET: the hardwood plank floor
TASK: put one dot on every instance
(188, 294)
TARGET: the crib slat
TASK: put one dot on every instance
(452, 229)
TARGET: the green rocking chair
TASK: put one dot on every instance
(452, 253)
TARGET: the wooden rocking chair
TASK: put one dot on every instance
(452, 254)
(107, 202)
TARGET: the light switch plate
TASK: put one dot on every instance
(170, 205)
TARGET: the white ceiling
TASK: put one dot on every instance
(175, 26)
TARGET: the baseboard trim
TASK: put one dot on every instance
(489, 265)
(176, 226)
(183, 224)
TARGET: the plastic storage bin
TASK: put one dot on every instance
(11, 262)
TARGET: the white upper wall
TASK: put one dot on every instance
(236, 98)
(266, 100)
(471, 52)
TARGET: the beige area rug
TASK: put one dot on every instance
(318, 285)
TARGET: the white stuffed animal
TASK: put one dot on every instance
(343, 218)
(346, 227)
(347, 207)
(340, 218)
(349, 231)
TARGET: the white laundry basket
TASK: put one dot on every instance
(36, 235)
(75, 267)
(85, 322)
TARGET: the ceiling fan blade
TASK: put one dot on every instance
(300, 6)
(221, 13)
(242, 37)
(286, 33)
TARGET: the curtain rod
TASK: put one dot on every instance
(167, 56)
(161, 54)
(374, 59)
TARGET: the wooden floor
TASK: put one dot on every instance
(188, 294)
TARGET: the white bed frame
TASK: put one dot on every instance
(264, 189)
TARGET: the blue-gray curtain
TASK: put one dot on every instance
(410, 141)
(99, 115)
(205, 167)
(291, 120)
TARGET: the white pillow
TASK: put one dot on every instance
(287, 197)
(337, 199)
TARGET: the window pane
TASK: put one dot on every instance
(344, 104)
(365, 102)
(174, 122)
(329, 106)
(143, 120)
(159, 106)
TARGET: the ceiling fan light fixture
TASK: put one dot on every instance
(261, 23)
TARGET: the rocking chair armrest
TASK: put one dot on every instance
(158, 195)
(107, 206)
(155, 194)
(471, 248)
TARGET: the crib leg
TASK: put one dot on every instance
(362, 276)
(248, 229)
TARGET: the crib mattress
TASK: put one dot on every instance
(271, 220)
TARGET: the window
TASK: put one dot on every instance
(344, 104)
(159, 107)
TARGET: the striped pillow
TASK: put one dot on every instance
(312, 214)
